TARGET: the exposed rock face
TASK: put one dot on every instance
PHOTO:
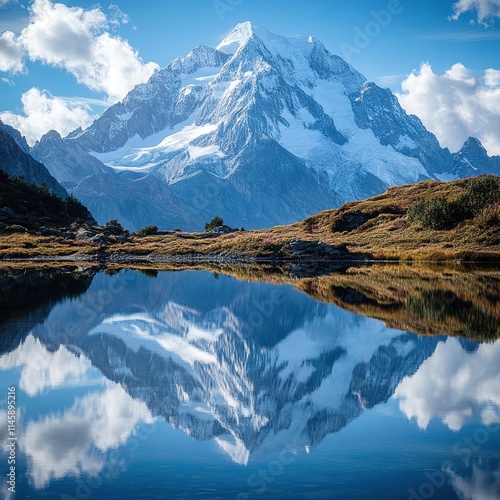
(17, 162)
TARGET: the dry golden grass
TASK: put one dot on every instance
(385, 234)
(25, 245)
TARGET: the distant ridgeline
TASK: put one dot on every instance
(30, 206)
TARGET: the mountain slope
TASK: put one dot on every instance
(30, 206)
(262, 130)
(16, 161)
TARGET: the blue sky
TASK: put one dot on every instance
(44, 46)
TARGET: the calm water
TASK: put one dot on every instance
(194, 385)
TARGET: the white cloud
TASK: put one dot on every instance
(485, 9)
(78, 40)
(455, 105)
(44, 112)
(42, 369)
(454, 386)
(492, 77)
(75, 442)
(11, 53)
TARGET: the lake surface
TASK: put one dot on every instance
(193, 384)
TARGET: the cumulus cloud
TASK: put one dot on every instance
(485, 9)
(11, 53)
(79, 41)
(44, 112)
(456, 105)
(454, 386)
(75, 442)
(42, 369)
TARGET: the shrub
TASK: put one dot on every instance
(437, 214)
(480, 193)
(215, 222)
(115, 228)
(148, 230)
(37, 202)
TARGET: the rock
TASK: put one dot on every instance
(349, 221)
(317, 250)
(15, 228)
(223, 229)
(85, 234)
(44, 231)
(67, 235)
(99, 239)
(94, 237)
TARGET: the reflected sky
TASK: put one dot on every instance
(235, 378)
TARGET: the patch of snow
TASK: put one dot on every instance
(405, 142)
(196, 152)
(200, 78)
(237, 38)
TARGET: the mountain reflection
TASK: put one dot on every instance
(249, 365)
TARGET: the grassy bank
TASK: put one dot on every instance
(383, 227)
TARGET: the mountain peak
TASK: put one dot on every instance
(473, 145)
(239, 36)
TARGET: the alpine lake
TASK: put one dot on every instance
(372, 382)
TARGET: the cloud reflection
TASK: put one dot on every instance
(42, 369)
(484, 484)
(454, 386)
(75, 442)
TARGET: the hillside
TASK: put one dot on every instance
(398, 224)
(26, 206)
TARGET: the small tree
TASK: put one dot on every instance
(114, 227)
(215, 222)
(145, 231)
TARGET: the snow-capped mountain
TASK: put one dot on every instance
(261, 130)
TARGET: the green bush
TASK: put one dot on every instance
(437, 214)
(479, 194)
(148, 230)
(114, 227)
(215, 222)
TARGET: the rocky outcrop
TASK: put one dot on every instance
(16, 162)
